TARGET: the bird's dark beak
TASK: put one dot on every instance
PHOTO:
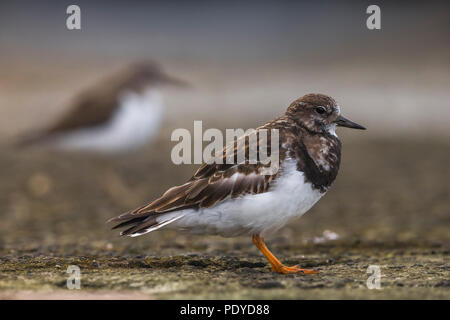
(344, 122)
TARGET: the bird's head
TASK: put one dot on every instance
(319, 113)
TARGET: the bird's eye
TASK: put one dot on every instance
(320, 110)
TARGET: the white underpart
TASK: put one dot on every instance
(135, 122)
(289, 197)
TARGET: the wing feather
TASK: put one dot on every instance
(211, 184)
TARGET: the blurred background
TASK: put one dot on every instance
(246, 62)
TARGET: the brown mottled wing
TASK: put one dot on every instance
(211, 184)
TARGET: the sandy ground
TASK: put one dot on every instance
(389, 207)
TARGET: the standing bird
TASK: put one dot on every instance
(120, 113)
(237, 199)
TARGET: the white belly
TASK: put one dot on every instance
(135, 122)
(289, 197)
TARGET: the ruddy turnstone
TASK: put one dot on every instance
(120, 113)
(236, 199)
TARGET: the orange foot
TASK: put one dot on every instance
(295, 269)
(277, 266)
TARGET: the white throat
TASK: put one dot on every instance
(332, 129)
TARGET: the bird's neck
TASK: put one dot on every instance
(318, 156)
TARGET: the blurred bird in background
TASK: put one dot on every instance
(120, 113)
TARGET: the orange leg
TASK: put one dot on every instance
(277, 266)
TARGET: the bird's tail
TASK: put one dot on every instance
(143, 224)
